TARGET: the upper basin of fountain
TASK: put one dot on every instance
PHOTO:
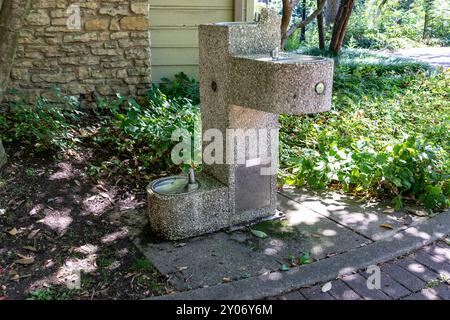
(234, 23)
(284, 58)
(282, 83)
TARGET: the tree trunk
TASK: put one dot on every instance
(12, 13)
(303, 30)
(301, 24)
(331, 11)
(285, 20)
(11, 16)
(343, 15)
(427, 8)
(320, 27)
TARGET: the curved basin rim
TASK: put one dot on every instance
(153, 185)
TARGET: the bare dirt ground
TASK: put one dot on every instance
(57, 222)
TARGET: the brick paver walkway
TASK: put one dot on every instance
(422, 275)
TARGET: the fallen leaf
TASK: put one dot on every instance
(181, 268)
(77, 183)
(91, 198)
(22, 256)
(13, 273)
(226, 279)
(305, 258)
(315, 235)
(105, 195)
(128, 275)
(177, 245)
(258, 234)
(331, 254)
(387, 226)
(30, 248)
(25, 261)
(447, 241)
(416, 211)
(13, 231)
(327, 287)
(101, 187)
(284, 267)
(33, 233)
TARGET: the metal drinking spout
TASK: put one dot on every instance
(275, 54)
(191, 176)
(257, 17)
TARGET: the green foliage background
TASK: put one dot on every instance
(387, 134)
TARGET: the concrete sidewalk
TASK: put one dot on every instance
(340, 234)
(436, 56)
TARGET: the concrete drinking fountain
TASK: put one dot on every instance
(245, 83)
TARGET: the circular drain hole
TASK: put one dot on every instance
(320, 88)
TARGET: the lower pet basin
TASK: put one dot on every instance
(176, 185)
(176, 212)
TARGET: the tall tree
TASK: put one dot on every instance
(428, 7)
(304, 12)
(287, 31)
(340, 25)
(286, 19)
(12, 13)
(320, 28)
(331, 10)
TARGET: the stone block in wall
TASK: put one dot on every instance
(122, 74)
(96, 24)
(104, 52)
(114, 11)
(53, 78)
(137, 53)
(83, 37)
(115, 24)
(47, 4)
(38, 18)
(140, 7)
(20, 74)
(134, 23)
(119, 35)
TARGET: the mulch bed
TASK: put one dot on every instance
(67, 235)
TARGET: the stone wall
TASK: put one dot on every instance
(108, 53)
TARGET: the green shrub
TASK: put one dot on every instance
(143, 132)
(46, 124)
(180, 86)
(386, 135)
(53, 293)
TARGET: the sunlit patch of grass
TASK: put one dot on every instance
(53, 293)
(385, 135)
(142, 265)
(150, 283)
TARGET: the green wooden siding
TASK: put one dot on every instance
(174, 34)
